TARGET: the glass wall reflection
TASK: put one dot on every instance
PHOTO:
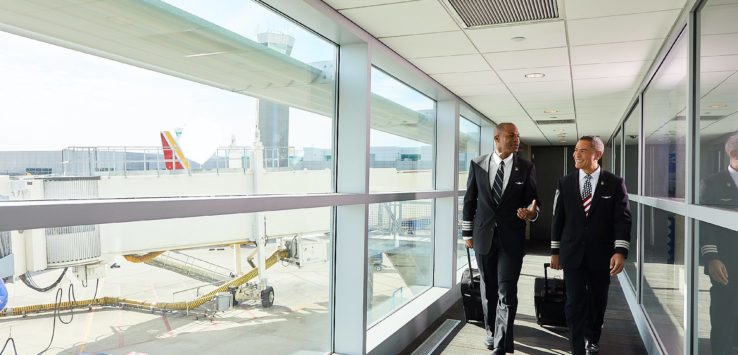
(664, 275)
(717, 300)
(665, 127)
(630, 157)
(617, 153)
(631, 264)
(400, 255)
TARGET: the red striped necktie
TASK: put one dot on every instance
(587, 194)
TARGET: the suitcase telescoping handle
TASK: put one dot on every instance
(471, 273)
(545, 277)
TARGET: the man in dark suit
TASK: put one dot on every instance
(718, 249)
(590, 239)
(500, 198)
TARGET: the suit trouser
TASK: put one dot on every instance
(586, 301)
(723, 314)
(499, 273)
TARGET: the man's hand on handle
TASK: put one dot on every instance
(529, 213)
(617, 263)
(469, 243)
(555, 262)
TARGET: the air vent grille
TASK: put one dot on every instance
(477, 13)
(550, 122)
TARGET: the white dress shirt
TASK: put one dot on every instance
(494, 164)
(595, 178)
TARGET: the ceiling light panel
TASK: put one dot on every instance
(476, 13)
(519, 75)
(401, 19)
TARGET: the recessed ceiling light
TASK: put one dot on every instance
(719, 106)
(554, 117)
(558, 130)
(551, 111)
(534, 75)
(562, 141)
(518, 39)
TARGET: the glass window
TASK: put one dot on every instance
(469, 142)
(400, 255)
(156, 281)
(631, 263)
(238, 97)
(665, 126)
(402, 136)
(717, 310)
(718, 105)
(630, 159)
(664, 275)
(617, 144)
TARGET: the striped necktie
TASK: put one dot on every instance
(497, 188)
(587, 194)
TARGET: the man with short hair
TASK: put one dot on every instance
(500, 197)
(590, 238)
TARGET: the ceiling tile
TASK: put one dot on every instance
(591, 71)
(406, 18)
(477, 90)
(576, 9)
(538, 35)
(719, 19)
(518, 75)
(550, 91)
(431, 45)
(345, 4)
(593, 88)
(621, 28)
(452, 64)
(615, 52)
(549, 57)
(487, 77)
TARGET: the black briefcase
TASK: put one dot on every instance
(549, 299)
(470, 293)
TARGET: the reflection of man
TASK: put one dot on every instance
(590, 238)
(718, 250)
(499, 188)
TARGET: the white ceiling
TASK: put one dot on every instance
(594, 57)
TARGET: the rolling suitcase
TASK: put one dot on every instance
(471, 294)
(549, 299)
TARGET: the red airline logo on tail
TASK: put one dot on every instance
(174, 158)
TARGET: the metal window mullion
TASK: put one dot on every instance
(691, 192)
(639, 190)
(352, 176)
(446, 171)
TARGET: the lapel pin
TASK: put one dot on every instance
(728, 184)
(516, 168)
(602, 183)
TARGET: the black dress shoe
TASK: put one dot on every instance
(498, 351)
(592, 347)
